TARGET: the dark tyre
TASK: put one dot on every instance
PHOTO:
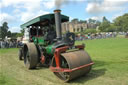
(20, 54)
(31, 56)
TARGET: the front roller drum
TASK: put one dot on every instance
(30, 55)
(79, 62)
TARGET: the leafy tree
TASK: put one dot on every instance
(92, 21)
(4, 30)
(111, 28)
(105, 19)
(13, 35)
(83, 21)
(0, 31)
(19, 35)
(22, 32)
(98, 23)
(121, 22)
(104, 25)
(75, 20)
(9, 34)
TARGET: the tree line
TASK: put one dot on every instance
(119, 24)
(4, 32)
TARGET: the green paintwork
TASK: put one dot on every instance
(37, 21)
(39, 40)
(49, 49)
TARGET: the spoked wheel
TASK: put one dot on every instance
(62, 75)
(30, 56)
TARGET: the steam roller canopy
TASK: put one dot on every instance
(73, 60)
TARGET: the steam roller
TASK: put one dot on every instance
(70, 61)
(46, 46)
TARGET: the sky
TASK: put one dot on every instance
(17, 12)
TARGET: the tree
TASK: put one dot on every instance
(83, 21)
(13, 35)
(19, 35)
(121, 22)
(9, 34)
(0, 31)
(105, 19)
(98, 23)
(4, 30)
(22, 32)
(75, 20)
(111, 28)
(104, 25)
(92, 21)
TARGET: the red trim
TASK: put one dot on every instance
(58, 69)
(57, 59)
(57, 55)
(58, 51)
(42, 58)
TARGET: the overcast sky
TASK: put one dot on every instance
(17, 12)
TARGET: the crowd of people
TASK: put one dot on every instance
(89, 36)
(96, 36)
(9, 44)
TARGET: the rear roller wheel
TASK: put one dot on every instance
(20, 54)
(31, 56)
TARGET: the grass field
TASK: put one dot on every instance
(109, 55)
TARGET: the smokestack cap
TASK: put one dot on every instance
(57, 10)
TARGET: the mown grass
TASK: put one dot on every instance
(109, 55)
(6, 79)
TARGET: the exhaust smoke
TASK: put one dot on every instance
(59, 3)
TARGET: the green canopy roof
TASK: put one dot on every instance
(44, 20)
